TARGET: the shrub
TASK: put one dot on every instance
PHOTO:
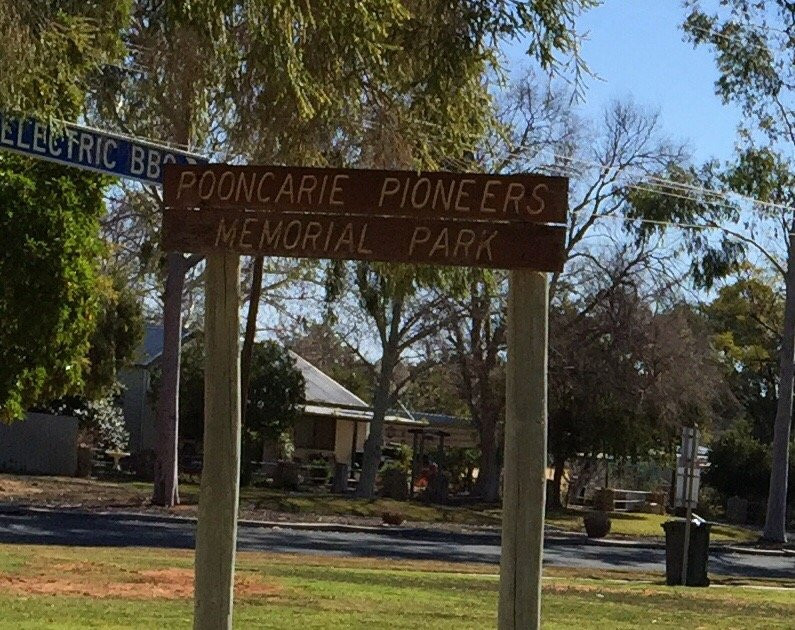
(397, 456)
(711, 503)
(100, 421)
(739, 464)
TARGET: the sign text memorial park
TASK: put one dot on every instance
(514, 222)
(435, 218)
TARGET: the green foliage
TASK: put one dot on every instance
(713, 255)
(739, 464)
(753, 55)
(746, 317)
(101, 423)
(191, 389)
(49, 49)
(50, 296)
(275, 392)
(434, 390)
(383, 83)
(119, 330)
(398, 457)
(460, 463)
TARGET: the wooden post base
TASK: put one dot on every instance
(216, 534)
(524, 485)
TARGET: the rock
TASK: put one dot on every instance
(392, 518)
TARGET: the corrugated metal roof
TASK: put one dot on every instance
(441, 419)
(357, 415)
(321, 388)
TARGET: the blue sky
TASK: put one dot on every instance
(636, 48)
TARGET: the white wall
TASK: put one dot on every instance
(344, 438)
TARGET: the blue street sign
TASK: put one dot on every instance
(92, 149)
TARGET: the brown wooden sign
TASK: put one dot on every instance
(439, 195)
(396, 239)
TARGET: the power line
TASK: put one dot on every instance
(727, 195)
(761, 27)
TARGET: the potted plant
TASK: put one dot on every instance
(597, 524)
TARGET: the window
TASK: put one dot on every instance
(315, 433)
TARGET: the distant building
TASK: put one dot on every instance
(138, 404)
(458, 432)
(334, 422)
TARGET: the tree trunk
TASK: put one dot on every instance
(554, 499)
(372, 445)
(776, 518)
(251, 330)
(487, 486)
(166, 487)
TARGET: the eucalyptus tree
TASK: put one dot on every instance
(755, 56)
(283, 81)
(48, 52)
(730, 215)
(628, 366)
(540, 131)
(432, 114)
(275, 82)
(746, 318)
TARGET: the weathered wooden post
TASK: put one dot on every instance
(216, 534)
(524, 485)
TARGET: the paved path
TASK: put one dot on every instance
(64, 528)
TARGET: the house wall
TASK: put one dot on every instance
(344, 439)
(139, 412)
(40, 444)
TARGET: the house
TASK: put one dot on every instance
(335, 422)
(137, 403)
(453, 431)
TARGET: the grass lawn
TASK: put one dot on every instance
(638, 525)
(64, 588)
(268, 504)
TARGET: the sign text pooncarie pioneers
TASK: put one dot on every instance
(525, 198)
(91, 149)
